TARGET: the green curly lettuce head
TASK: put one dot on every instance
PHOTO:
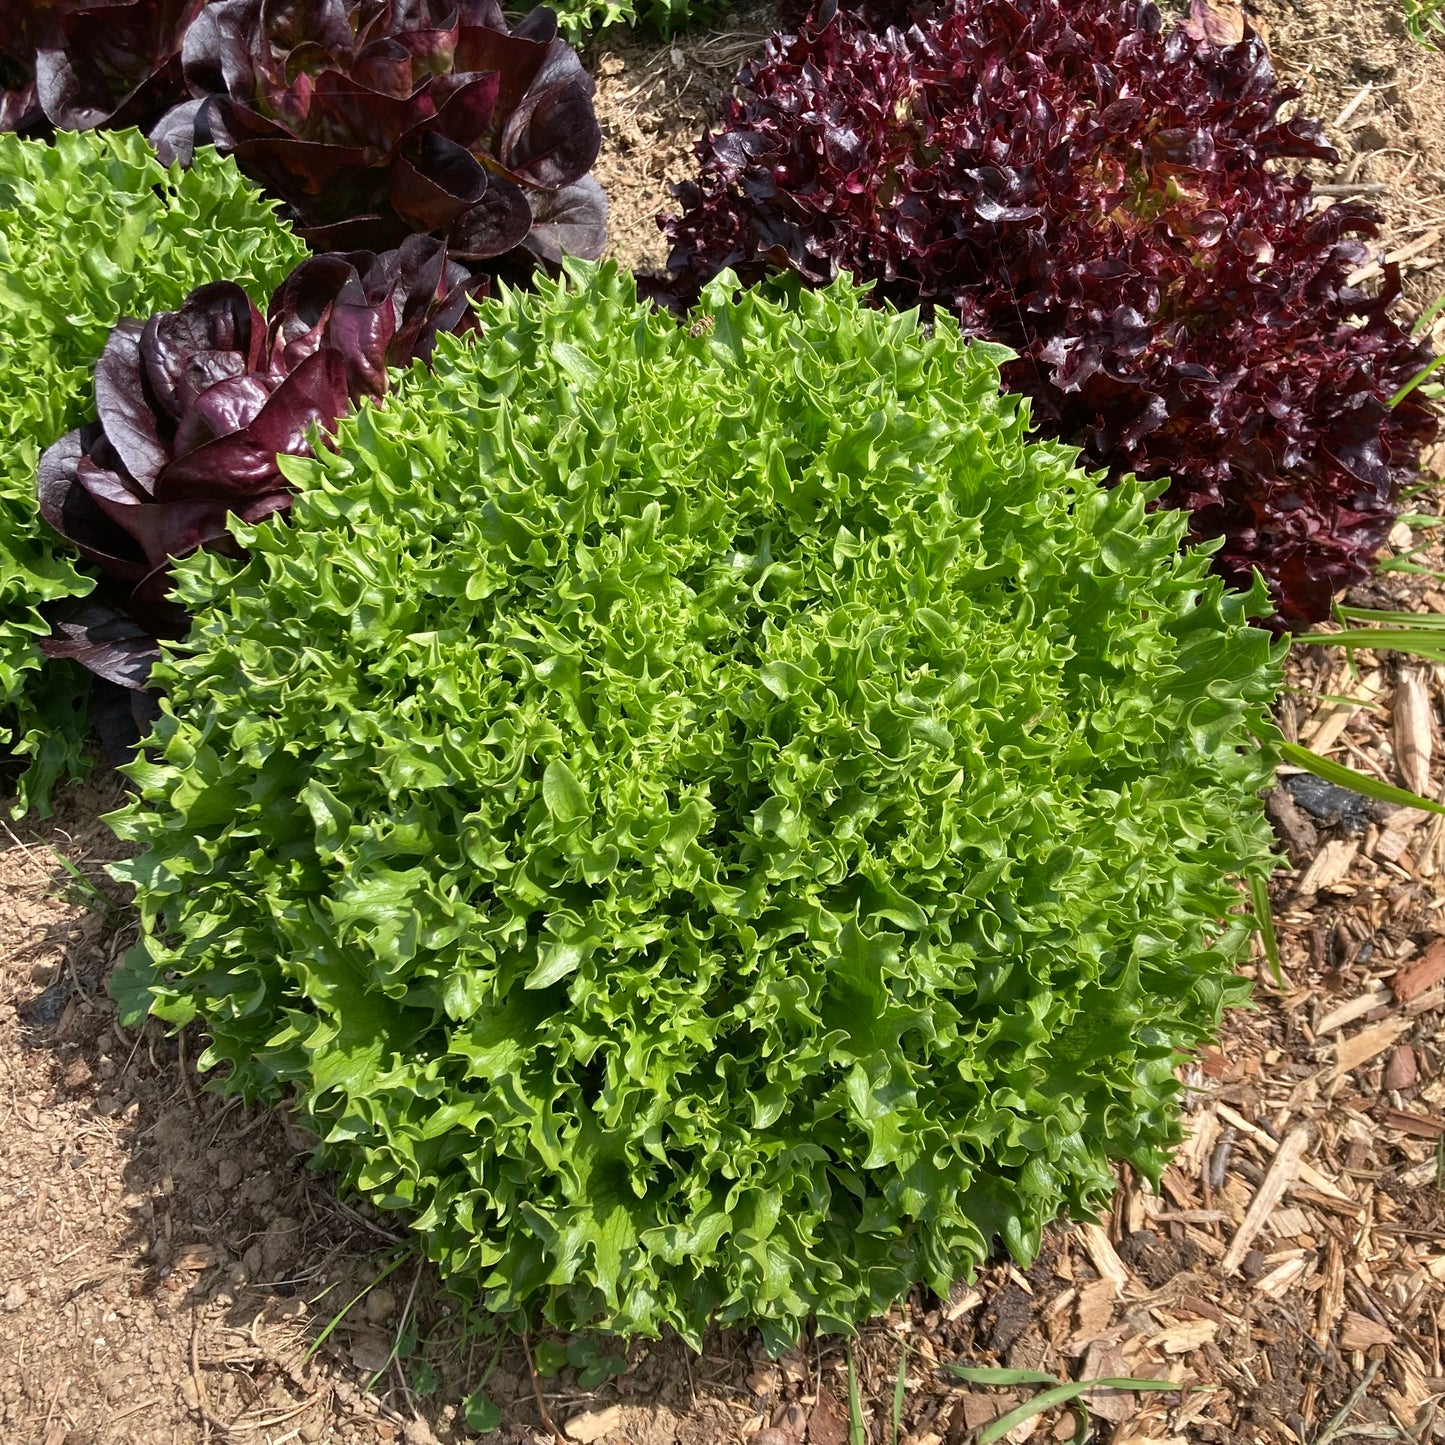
(92, 229)
(580, 20)
(712, 823)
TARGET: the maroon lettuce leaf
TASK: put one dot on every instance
(105, 633)
(81, 64)
(195, 406)
(1106, 199)
(376, 121)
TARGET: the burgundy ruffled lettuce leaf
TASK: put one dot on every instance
(1110, 200)
(372, 122)
(195, 406)
(82, 64)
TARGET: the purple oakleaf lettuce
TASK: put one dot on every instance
(1103, 197)
(376, 120)
(81, 64)
(195, 406)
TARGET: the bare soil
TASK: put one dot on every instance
(171, 1271)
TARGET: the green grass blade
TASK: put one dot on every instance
(1430, 621)
(899, 1385)
(1412, 569)
(356, 1299)
(1264, 917)
(1419, 377)
(1062, 1395)
(94, 898)
(1356, 782)
(1422, 322)
(981, 1375)
(1427, 642)
(857, 1432)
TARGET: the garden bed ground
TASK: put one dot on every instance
(167, 1263)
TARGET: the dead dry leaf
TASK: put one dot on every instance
(1216, 22)
(1105, 1361)
(980, 1410)
(592, 1425)
(828, 1424)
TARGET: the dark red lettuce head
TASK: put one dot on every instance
(195, 406)
(375, 120)
(875, 14)
(1103, 197)
(81, 64)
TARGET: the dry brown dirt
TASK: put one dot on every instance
(171, 1271)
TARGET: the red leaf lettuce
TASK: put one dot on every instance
(1101, 196)
(379, 119)
(193, 409)
(81, 64)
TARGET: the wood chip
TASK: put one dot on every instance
(1331, 1293)
(1180, 1339)
(1094, 1310)
(1427, 1002)
(1289, 1223)
(1424, 973)
(1402, 1072)
(1405, 1403)
(1422, 1126)
(1104, 1257)
(1359, 1333)
(1360, 1048)
(1376, 996)
(1277, 1282)
(1413, 735)
(1331, 865)
(197, 1256)
(1203, 1308)
(1396, 835)
(961, 1301)
(1281, 1173)
(1324, 732)
(1334, 1201)
(1309, 1175)
(1207, 1244)
(1293, 825)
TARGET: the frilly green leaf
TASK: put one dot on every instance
(92, 229)
(715, 824)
